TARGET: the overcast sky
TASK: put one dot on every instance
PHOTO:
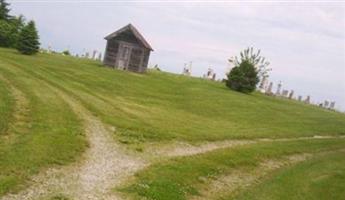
(305, 42)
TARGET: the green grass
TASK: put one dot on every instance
(152, 107)
(319, 178)
(52, 133)
(6, 107)
(181, 177)
(161, 107)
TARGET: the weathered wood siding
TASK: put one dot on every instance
(111, 52)
(126, 52)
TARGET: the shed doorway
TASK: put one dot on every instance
(124, 57)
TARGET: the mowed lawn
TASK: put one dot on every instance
(160, 106)
(182, 178)
(319, 178)
(43, 132)
(154, 107)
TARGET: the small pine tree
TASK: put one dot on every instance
(243, 78)
(28, 41)
(4, 10)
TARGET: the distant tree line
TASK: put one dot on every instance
(15, 32)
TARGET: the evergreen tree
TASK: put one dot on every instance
(5, 33)
(9, 31)
(18, 24)
(28, 41)
(4, 10)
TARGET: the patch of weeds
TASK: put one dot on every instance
(60, 197)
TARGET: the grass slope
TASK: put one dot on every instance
(161, 107)
(323, 178)
(6, 107)
(144, 108)
(179, 178)
(49, 131)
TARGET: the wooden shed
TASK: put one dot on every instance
(127, 49)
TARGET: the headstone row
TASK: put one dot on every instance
(267, 88)
(94, 56)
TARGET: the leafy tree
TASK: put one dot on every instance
(4, 10)
(243, 78)
(259, 62)
(28, 41)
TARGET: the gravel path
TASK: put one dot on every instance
(185, 149)
(104, 165)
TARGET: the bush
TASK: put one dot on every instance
(66, 53)
(243, 78)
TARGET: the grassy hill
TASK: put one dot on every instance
(39, 130)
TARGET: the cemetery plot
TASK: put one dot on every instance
(135, 117)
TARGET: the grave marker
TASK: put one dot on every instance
(279, 88)
(291, 94)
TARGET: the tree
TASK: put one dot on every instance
(259, 62)
(6, 29)
(9, 26)
(18, 24)
(243, 78)
(66, 53)
(4, 10)
(28, 41)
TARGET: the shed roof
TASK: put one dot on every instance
(135, 32)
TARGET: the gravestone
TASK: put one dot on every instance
(326, 104)
(279, 88)
(187, 69)
(214, 77)
(100, 56)
(291, 94)
(269, 89)
(299, 98)
(87, 55)
(210, 73)
(307, 100)
(94, 53)
(285, 93)
(263, 83)
(332, 105)
(49, 49)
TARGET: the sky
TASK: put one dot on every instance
(304, 42)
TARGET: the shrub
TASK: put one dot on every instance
(243, 78)
(66, 53)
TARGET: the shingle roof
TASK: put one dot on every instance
(135, 33)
